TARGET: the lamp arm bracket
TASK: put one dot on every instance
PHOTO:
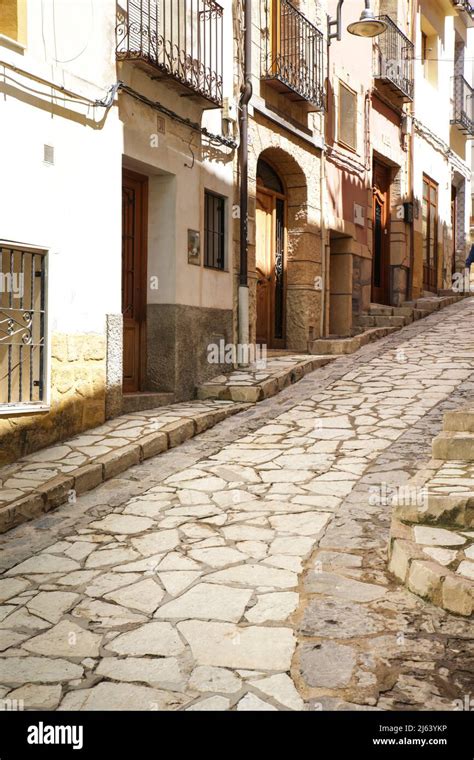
(335, 24)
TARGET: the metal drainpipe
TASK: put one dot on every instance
(411, 166)
(243, 313)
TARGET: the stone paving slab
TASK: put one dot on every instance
(283, 511)
(42, 481)
(258, 382)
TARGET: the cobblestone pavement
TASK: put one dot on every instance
(246, 569)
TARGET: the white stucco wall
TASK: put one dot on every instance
(71, 208)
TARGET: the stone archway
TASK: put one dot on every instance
(302, 249)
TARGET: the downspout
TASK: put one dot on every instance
(246, 94)
(411, 164)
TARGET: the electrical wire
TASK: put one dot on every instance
(91, 26)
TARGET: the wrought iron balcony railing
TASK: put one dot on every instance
(293, 56)
(466, 6)
(22, 325)
(394, 56)
(180, 38)
(463, 105)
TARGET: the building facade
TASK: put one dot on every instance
(123, 231)
(60, 199)
(443, 125)
(285, 174)
(177, 107)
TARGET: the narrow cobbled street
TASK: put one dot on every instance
(246, 569)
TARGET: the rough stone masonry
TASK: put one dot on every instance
(246, 569)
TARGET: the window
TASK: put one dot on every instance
(214, 229)
(13, 19)
(22, 325)
(429, 53)
(347, 120)
(424, 47)
(430, 234)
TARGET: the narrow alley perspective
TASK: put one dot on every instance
(236, 377)
(247, 567)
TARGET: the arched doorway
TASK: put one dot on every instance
(271, 244)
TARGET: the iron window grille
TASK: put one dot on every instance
(182, 39)
(214, 231)
(394, 60)
(293, 54)
(463, 105)
(22, 325)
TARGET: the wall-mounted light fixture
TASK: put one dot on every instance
(367, 26)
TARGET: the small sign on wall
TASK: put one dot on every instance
(359, 216)
(194, 247)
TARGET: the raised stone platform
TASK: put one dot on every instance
(432, 538)
(342, 346)
(257, 383)
(42, 481)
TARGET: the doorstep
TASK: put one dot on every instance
(334, 347)
(44, 480)
(256, 383)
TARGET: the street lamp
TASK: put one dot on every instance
(367, 26)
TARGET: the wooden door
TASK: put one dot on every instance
(270, 267)
(454, 226)
(264, 247)
(134, 261)
(430, 235)
(381, 236)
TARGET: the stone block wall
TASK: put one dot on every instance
(178, 337)
(78, 394)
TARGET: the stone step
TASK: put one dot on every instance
(431, 571)
(451, 445)
(342, 346)
(459, 420)
(141, 402)
(391, 321)
(379, 310)
(430, 304)
(421, 313)
(365, 320)
(403, 311)
(414, 506)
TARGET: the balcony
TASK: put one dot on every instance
(293, 55)
(465, 7)
(463, 112)
(180, 39)
(393, 64)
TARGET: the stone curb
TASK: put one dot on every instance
(453, 445)
(344, 346)
(425, 577)
(63, 488)
(450, 511)
(267, 388)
